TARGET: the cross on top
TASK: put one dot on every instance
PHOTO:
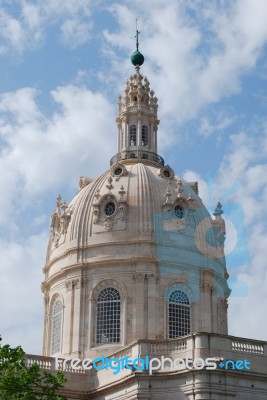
(136, 36)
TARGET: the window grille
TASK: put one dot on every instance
(179, 314)
(108, 316)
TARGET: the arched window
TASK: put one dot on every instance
(56, 327)
(179, 314)
(132, 138)
(144, 135)
(108, 316)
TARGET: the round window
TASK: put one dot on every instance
(110, 208)
(118, 171)
(179, 212)
(166, 173)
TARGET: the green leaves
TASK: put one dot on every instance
(21, 382)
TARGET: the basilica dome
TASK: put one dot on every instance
(135, 201)
(134, 248)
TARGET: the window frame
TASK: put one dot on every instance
(117, 322)
(144, 132)
(52, 327)
(182, 311)
(133, 131)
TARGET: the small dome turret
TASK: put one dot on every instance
(137, 120)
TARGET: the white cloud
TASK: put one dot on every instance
(25, 26)
(216, 124)
(192, 176)
(68, 7)
(11, 31)
(31, 15)
(20, 106)
(41, 154)
(76, 33)
(21, 273)
(246, 313)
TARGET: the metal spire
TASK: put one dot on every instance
(136, 36)
(137, 58)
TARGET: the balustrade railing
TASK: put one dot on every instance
(137, 155)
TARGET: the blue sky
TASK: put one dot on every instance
(63, 64)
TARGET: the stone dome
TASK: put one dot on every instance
(132, 203)
(135, 252)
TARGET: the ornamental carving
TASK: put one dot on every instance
(139, 277)
(118, 170)
(44, 287)
(179, 189)
(219, 223)
(109, 186)
(60, 221)
(182, 199)
(72, 284)
(222, 313)
(84, 181)
(174, 225)
(166, 172)
(167, 205)
(109, 209)
(207, 287)
(138, 91)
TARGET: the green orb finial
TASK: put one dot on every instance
(137, 58)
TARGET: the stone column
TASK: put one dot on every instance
(139, 132)
(46, 319)
(152, 137)
(152, 306)
(119, 137)
(193, 317)
(76, 316)
(126, 133)
(91, 325)
(205, 308)
(46, 325)
(68, 317)
(138, 317)
(145, 319)
(155, 139)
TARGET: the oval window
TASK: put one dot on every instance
(118, 171)
(110, 208)
(166, 173)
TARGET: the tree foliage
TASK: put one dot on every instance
(21, 382)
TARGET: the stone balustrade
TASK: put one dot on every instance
(47, 363)
(248, 346)
(194, 344)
